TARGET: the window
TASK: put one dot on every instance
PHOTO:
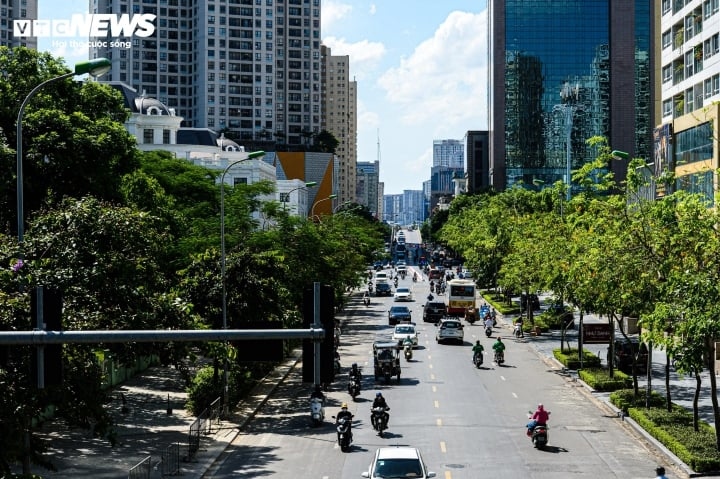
(166, 137)
(667, 38)
(667, 73)
(148, 136)
(667, 108)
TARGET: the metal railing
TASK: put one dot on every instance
(141, 470)
(203, 425)
(170, 463)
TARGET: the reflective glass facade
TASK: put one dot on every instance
(557, 80)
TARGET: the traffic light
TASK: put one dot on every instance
(48, 301)
(327, 346)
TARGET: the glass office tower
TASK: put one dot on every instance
(562, 72)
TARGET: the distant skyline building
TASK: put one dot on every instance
(564, 68)
(368, 186)
(450, 153)
(339, 117)
(478, 161)
(407, 208)
(11, 10)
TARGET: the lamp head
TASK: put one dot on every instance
(255, 154)
(95, 67)
(310, 184)
(620, 155)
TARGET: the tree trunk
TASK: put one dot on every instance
(668, 398)
(713, 390)
(696, 398)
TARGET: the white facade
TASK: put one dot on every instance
(293, 196)
(690, 57)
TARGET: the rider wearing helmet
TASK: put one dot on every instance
(354, 374)
(317, 393)
(478, 350)
(380, 402)
(539, 418)
(344, 413)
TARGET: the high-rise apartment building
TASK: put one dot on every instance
(450, 153)
(687, 141)
(563, 71)
(11, 10)
(478, 166)
(369, 189)
(339, 117)
(248, 68)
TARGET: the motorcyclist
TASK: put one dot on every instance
(408, 341)
(539, 418)
(366, 298)
(414, 277)
(488, 323)
(499, 346)
(344, 413)
(478, 350)
(355, 374)
(380, 402)
(519, 324)
(317, 393)
(430, 297)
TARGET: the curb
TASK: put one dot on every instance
(247, 408)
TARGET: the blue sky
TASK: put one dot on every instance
(421, 68)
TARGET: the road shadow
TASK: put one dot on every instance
(552, 449)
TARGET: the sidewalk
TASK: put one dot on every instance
(682, 387)
(146, 429)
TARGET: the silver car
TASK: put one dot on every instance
(449, 329)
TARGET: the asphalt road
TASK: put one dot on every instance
(468, 422)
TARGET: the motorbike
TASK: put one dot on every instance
(407, 349)
(488, 331)
(366, 300)
(370, 288)
(354, 387)
(378, 419)
(414, 277)
(470, 315)
(344, 436)
(317, 411)
(477, 359)
(517, 331)
(395, 282)
(499, 357)
(538, 433)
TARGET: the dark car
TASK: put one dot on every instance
(383, 289)
(624, 350)
(434, 311)
(398, 314)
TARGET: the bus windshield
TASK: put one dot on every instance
(462, 291)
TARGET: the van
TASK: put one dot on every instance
(381, 277)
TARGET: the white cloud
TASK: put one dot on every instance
(333, 11)
(364, 55)
(373, 9)
(445, 78)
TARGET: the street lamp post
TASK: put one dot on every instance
(309, 184)
(312, 210)
(251, 156)
(96, 68)
(569, 95)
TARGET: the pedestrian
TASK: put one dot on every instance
(660, 473)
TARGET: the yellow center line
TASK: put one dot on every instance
(448, 475)
(437, 404)
(438, 421)
(442, 446)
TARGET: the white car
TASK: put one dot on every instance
(403, 294)
(398, 461)
(449, 329)
(404, 330)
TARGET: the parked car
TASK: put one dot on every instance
(624, 350)
(434, 311)
(397, 461)
(398, 314)
(449, 329)
(403, 294)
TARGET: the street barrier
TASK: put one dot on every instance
(141, 470)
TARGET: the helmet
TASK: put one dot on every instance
(477, 342)
(343, 406)
(540, 406)
(354, 365)
(660, 471)
(378, 394)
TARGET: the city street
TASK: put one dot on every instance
(467, 422)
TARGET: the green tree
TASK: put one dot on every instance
(74, 141)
